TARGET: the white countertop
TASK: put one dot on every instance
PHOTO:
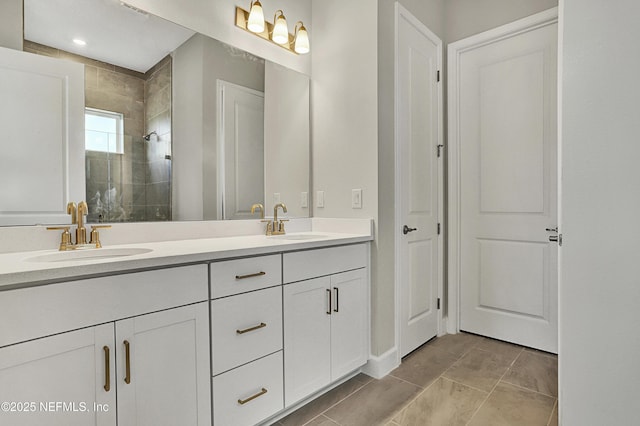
(19, 270)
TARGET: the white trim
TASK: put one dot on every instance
(402, 12)
(379, 366)
(530, 23)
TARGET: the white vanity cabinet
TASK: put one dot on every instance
(143, 368)
(325, 318)
(246, 340)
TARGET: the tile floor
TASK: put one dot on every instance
(460, 379)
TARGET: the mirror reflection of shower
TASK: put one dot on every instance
(147, 137)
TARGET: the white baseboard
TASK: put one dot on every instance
(379, 366)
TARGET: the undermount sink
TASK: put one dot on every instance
(298, 237)
(88, 254)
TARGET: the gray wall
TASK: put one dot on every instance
(599, 283)
(468, 17)
(11, 24)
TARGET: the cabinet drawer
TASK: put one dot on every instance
(242, 275)
(34, 312)
(261, 379)
(245, 327)
(303, 265)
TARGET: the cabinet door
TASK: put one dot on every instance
(307, 338)
(165, 377)
(349, 322)
(42, 143)
(60, 380)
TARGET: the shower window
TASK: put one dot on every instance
(103, 131)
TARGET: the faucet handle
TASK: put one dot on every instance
(281, 225)
(95, 236)
(65, 240)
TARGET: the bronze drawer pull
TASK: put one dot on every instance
(127, 356)
(246, 330)
(251, 398)
(257, 274)
(107, 369)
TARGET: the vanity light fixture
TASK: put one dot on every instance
(300, 39)
(255, 23)
(277, 33)
(280, 33)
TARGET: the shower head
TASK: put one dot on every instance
(147, 137)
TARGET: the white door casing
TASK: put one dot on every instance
(240, 150)
(418, 180)
(503, 182)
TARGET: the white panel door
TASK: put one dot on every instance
(75, 368)
(163, 368)
(349, 349)
(418, 171)
(241, 154)
(307, 338)
(42, 142)
(507, 131)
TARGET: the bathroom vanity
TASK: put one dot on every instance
(229, 331)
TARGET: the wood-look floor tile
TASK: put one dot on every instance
(321, 421)
(322, 403)
(510, 405)
(457, 344)
(444, 403)
(424, 365)
(374, 404)
(553, 421)
(479, 369)
(508, 350)
(536, 372)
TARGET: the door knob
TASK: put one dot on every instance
(406, 230)
(552, 229)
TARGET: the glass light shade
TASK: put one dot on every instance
(256, 18)
(280, 30)
(301, 44)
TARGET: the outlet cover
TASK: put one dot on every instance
(320, 199)
(304, 200)
(356, 198)
(276, 197)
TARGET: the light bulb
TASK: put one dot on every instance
(256, 18)
(280, 30)
(301, 44)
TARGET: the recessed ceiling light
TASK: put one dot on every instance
(79, 42)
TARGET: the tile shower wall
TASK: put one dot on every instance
(120, 186)
(157, 96)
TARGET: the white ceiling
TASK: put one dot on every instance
(114, 33)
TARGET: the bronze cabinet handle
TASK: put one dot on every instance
(329, 304)
(246, 330)
(337, 299)
(107, 369)
(127, 365)
(257, 274)
(251, 398)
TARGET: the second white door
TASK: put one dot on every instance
(504, 121)
(418, 174)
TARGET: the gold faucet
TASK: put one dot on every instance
(81, 231)
(258, 206)
(275, 226)
(78, 212)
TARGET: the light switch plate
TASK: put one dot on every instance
(304, 200)
(320, 199)
(356, 198)
(276, 197)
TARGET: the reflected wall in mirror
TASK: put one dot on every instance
(166, 136)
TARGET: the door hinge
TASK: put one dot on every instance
(438, 303)
(438, 76)
(438, 229)
(440, 150)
